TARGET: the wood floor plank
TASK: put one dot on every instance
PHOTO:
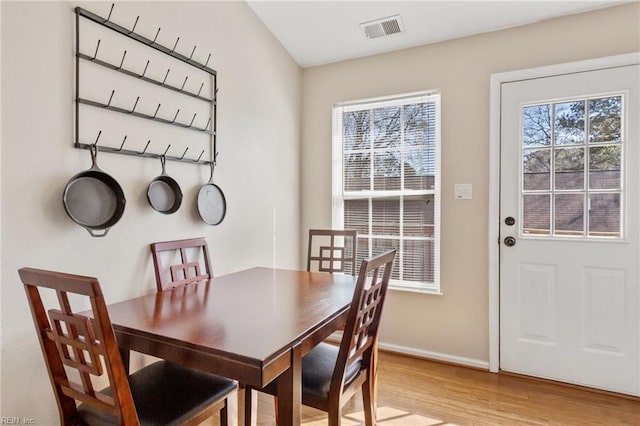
(417, 392)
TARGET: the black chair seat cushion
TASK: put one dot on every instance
(317, 369)
(166, 394)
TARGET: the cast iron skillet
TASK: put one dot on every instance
(212, 205)
(93, 199)
(164, 193)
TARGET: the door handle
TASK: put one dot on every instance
(509, 241)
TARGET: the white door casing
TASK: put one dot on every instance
(568, 304)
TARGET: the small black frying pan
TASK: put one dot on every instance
(212, 204)
(93, 199)
(164, 193)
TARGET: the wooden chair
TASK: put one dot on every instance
(331, 375)
(328, 255)
(194, 257)
(83, 347)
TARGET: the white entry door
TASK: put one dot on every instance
(569, 228)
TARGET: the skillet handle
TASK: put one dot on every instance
(163, 161)
(97, 234)
(212, 166)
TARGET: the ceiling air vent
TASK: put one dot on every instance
(382, 27)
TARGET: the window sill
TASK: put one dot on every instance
(416, 290)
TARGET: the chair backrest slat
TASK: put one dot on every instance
(72, 341)
(187, 270)
(331, 250)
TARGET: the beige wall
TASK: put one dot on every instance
(258, 167)
(453, 326)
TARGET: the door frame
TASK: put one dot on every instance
(496, 82)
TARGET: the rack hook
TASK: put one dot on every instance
(122, 61)
(207, 125)
(194, 117)
(175, 45)
(145, 69)
(158, 32)
(96, 52)
(96, 142)
(157, 109)
(184, 153)
(111, 10)
(110, 97)
(185, 82)
(200, 90)
(135, 105)
(122, 144)
(176, 116)
(166, 150)
(207, 63)
(193, 51)
(134, 25)
(200, 156)
(145, 147)
(166, 75)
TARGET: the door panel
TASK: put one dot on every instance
(570, 160)
(604, 327)
(537, 303)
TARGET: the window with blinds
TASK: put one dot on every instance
(386, 182)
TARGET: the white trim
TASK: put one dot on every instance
(420, 353)
(494, 172)
(337, 200)
(415, 289)
(493, 228)
(400, 98)
(438, 356)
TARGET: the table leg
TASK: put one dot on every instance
(125, 355)
(250, 406)
(290, 390)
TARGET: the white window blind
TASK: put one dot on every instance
(386, 182)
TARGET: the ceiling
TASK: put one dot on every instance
(321, 32)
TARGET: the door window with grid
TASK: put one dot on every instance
(386, 182)
(572, 156)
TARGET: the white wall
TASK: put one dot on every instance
(258, 167)
(453, 326)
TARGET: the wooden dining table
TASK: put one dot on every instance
(253, 326)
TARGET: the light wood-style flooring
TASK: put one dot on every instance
(416, 392)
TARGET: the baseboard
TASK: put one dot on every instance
(437, 356)
(419, 353)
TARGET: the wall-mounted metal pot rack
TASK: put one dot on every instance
(209, 128)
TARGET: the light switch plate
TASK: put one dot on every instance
(463, 191)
